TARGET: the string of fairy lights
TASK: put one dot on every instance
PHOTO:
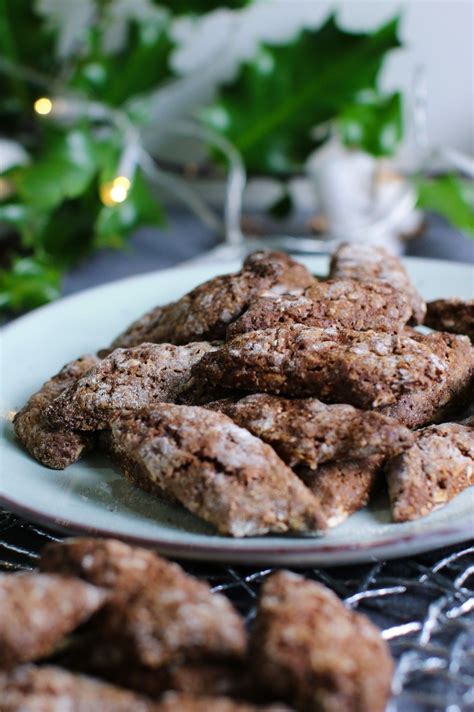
(134, 155)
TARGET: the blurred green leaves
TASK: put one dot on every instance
(28, 284)
(270, 109)
(448, 196)
(373, 124)
(53, 203)
(64, 169)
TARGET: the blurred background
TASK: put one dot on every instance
(135, 134)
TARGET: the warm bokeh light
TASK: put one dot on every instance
(115, 192)
(43, 106)
(123, 182)
(118, 193)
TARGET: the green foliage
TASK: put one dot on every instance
(269, 110)
(140, 66)
(448, 196)
(63, 170)
(373, 124)
(28, 284)
(53, 202)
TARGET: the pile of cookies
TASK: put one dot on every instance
(269, 401)
(110, 627)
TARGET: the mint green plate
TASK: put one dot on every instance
(91, 497)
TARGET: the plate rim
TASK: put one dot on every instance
(329, 554)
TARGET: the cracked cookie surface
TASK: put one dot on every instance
(433, 471)
(217, 470)
(367, 263)
(126, 380)
(307, 432)
(205, 312)
(408, 375)
(53, 447)
(347, 304)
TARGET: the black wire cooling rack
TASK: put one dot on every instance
(423, 604)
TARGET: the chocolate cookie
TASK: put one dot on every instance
(367, 263)
(206, 311)
(310, 650)
(126, 380)
(444, 396)
(53, 447)
(435, 469)
(37, 611)
(307, 432)
(342, 303)
(156, 615)
(215, 469)
(453, 315)
(109, 563)
(366, 369)
(51, 689)
(342, 487)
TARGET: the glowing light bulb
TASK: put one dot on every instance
(118, 193)
(123, 182)
(115, 191)
(43, 106)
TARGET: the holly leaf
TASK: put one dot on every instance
(269, 110)
(144, 63)
(28, 283)
(448, 196)
(141, 207)
(374, 125)
(63, 170)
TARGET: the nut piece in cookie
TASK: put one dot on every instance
(215, 469)
(126, 380)
(206, 311)
(51, 689)
(307, 432)
(310, 650)
(418, 374)
(38, 610)
(52, 447)
(435, 469)
(342, 487)
(453, 315)
(347, 304)
(156, 613)
(367, 263)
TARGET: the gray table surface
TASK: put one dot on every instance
(185, 238)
